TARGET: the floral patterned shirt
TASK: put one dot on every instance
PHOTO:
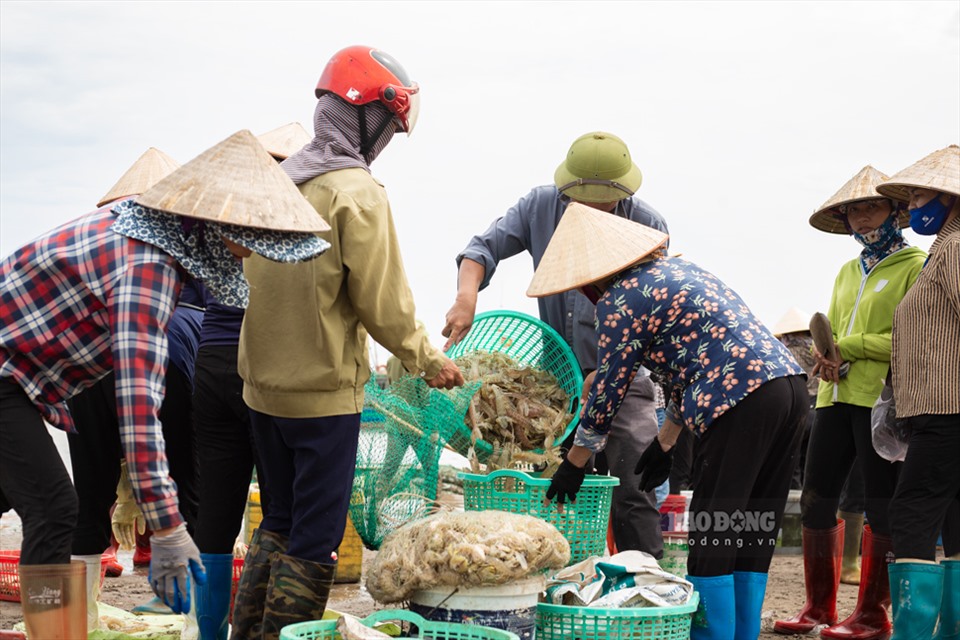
(692, 332)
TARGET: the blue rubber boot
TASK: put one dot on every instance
(213, 598)
(915, 591)
(748, 589)
(715, 618)
(950, 604)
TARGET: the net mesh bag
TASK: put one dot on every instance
(402, 433)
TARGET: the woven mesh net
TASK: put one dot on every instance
(403, 430)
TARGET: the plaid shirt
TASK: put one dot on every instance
(82, 301)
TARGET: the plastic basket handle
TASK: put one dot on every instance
(385, 615)
(519, 475)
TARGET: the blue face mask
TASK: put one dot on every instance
(928, 219)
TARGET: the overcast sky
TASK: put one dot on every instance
(743, 116)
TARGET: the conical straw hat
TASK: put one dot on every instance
(589, 245)
(940, 171)
(149, 169)
(863, 186)
(236, 182)
(285, 141)
(793, 321)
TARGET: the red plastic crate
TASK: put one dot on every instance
(237, 570)
(671, 512)
(10, 575)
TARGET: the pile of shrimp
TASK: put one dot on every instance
(518, 408)
(469, 548)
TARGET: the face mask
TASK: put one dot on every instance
(928, 219)
(881, 236)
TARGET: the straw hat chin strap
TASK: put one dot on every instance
(579, 182)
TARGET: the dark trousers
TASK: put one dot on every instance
(928, 489)
(684, 453)
(308, 466)
(745, 461)
(95, 452)
(34, 480)
(841, 434)
(225, 445)
(853, 494)
(797, 481)
(851, 497)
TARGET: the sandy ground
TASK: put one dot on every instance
(785, 594)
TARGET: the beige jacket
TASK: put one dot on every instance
(303, 346)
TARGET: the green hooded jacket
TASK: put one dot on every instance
(861, 314)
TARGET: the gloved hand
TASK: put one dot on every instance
(171, 555)
(654, 465)
(565, 483)
(127, 518)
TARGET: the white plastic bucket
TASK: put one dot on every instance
(511, 607)
(675, 551)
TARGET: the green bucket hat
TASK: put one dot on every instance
(598, 168)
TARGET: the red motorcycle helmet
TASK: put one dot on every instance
(361, 75)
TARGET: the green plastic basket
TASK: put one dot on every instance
(529, 341)
(583, 523)
(327, 629)
(559, 622)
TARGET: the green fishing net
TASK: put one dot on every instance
(403, 430)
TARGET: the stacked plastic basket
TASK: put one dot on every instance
(583, 523)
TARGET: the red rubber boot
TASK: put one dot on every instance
(114, 568)
(869, 620)
(141, 555)
(822, 559)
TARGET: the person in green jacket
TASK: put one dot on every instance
(865, 294)
(303, 344)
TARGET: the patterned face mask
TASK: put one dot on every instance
(198, 247)
(881, 242)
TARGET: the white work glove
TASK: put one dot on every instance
(127, 518)
(174, 557)
(240, 548)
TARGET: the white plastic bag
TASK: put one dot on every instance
(890, 436)
(627, 579)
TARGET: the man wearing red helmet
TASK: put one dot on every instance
(303, 351)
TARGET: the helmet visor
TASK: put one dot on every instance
(413, 112)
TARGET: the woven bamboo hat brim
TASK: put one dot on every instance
(863, 186)
(149, 169)
(285, 141)
(236, 182)
(589, 245)
(793, 321)
(939, 171)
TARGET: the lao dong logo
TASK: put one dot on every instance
(736, 522)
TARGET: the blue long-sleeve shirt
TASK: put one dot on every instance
(692, 332)
(528, 226)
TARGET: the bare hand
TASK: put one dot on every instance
(587, 384)
(459, 320)
(827, 369)
(448, 378)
